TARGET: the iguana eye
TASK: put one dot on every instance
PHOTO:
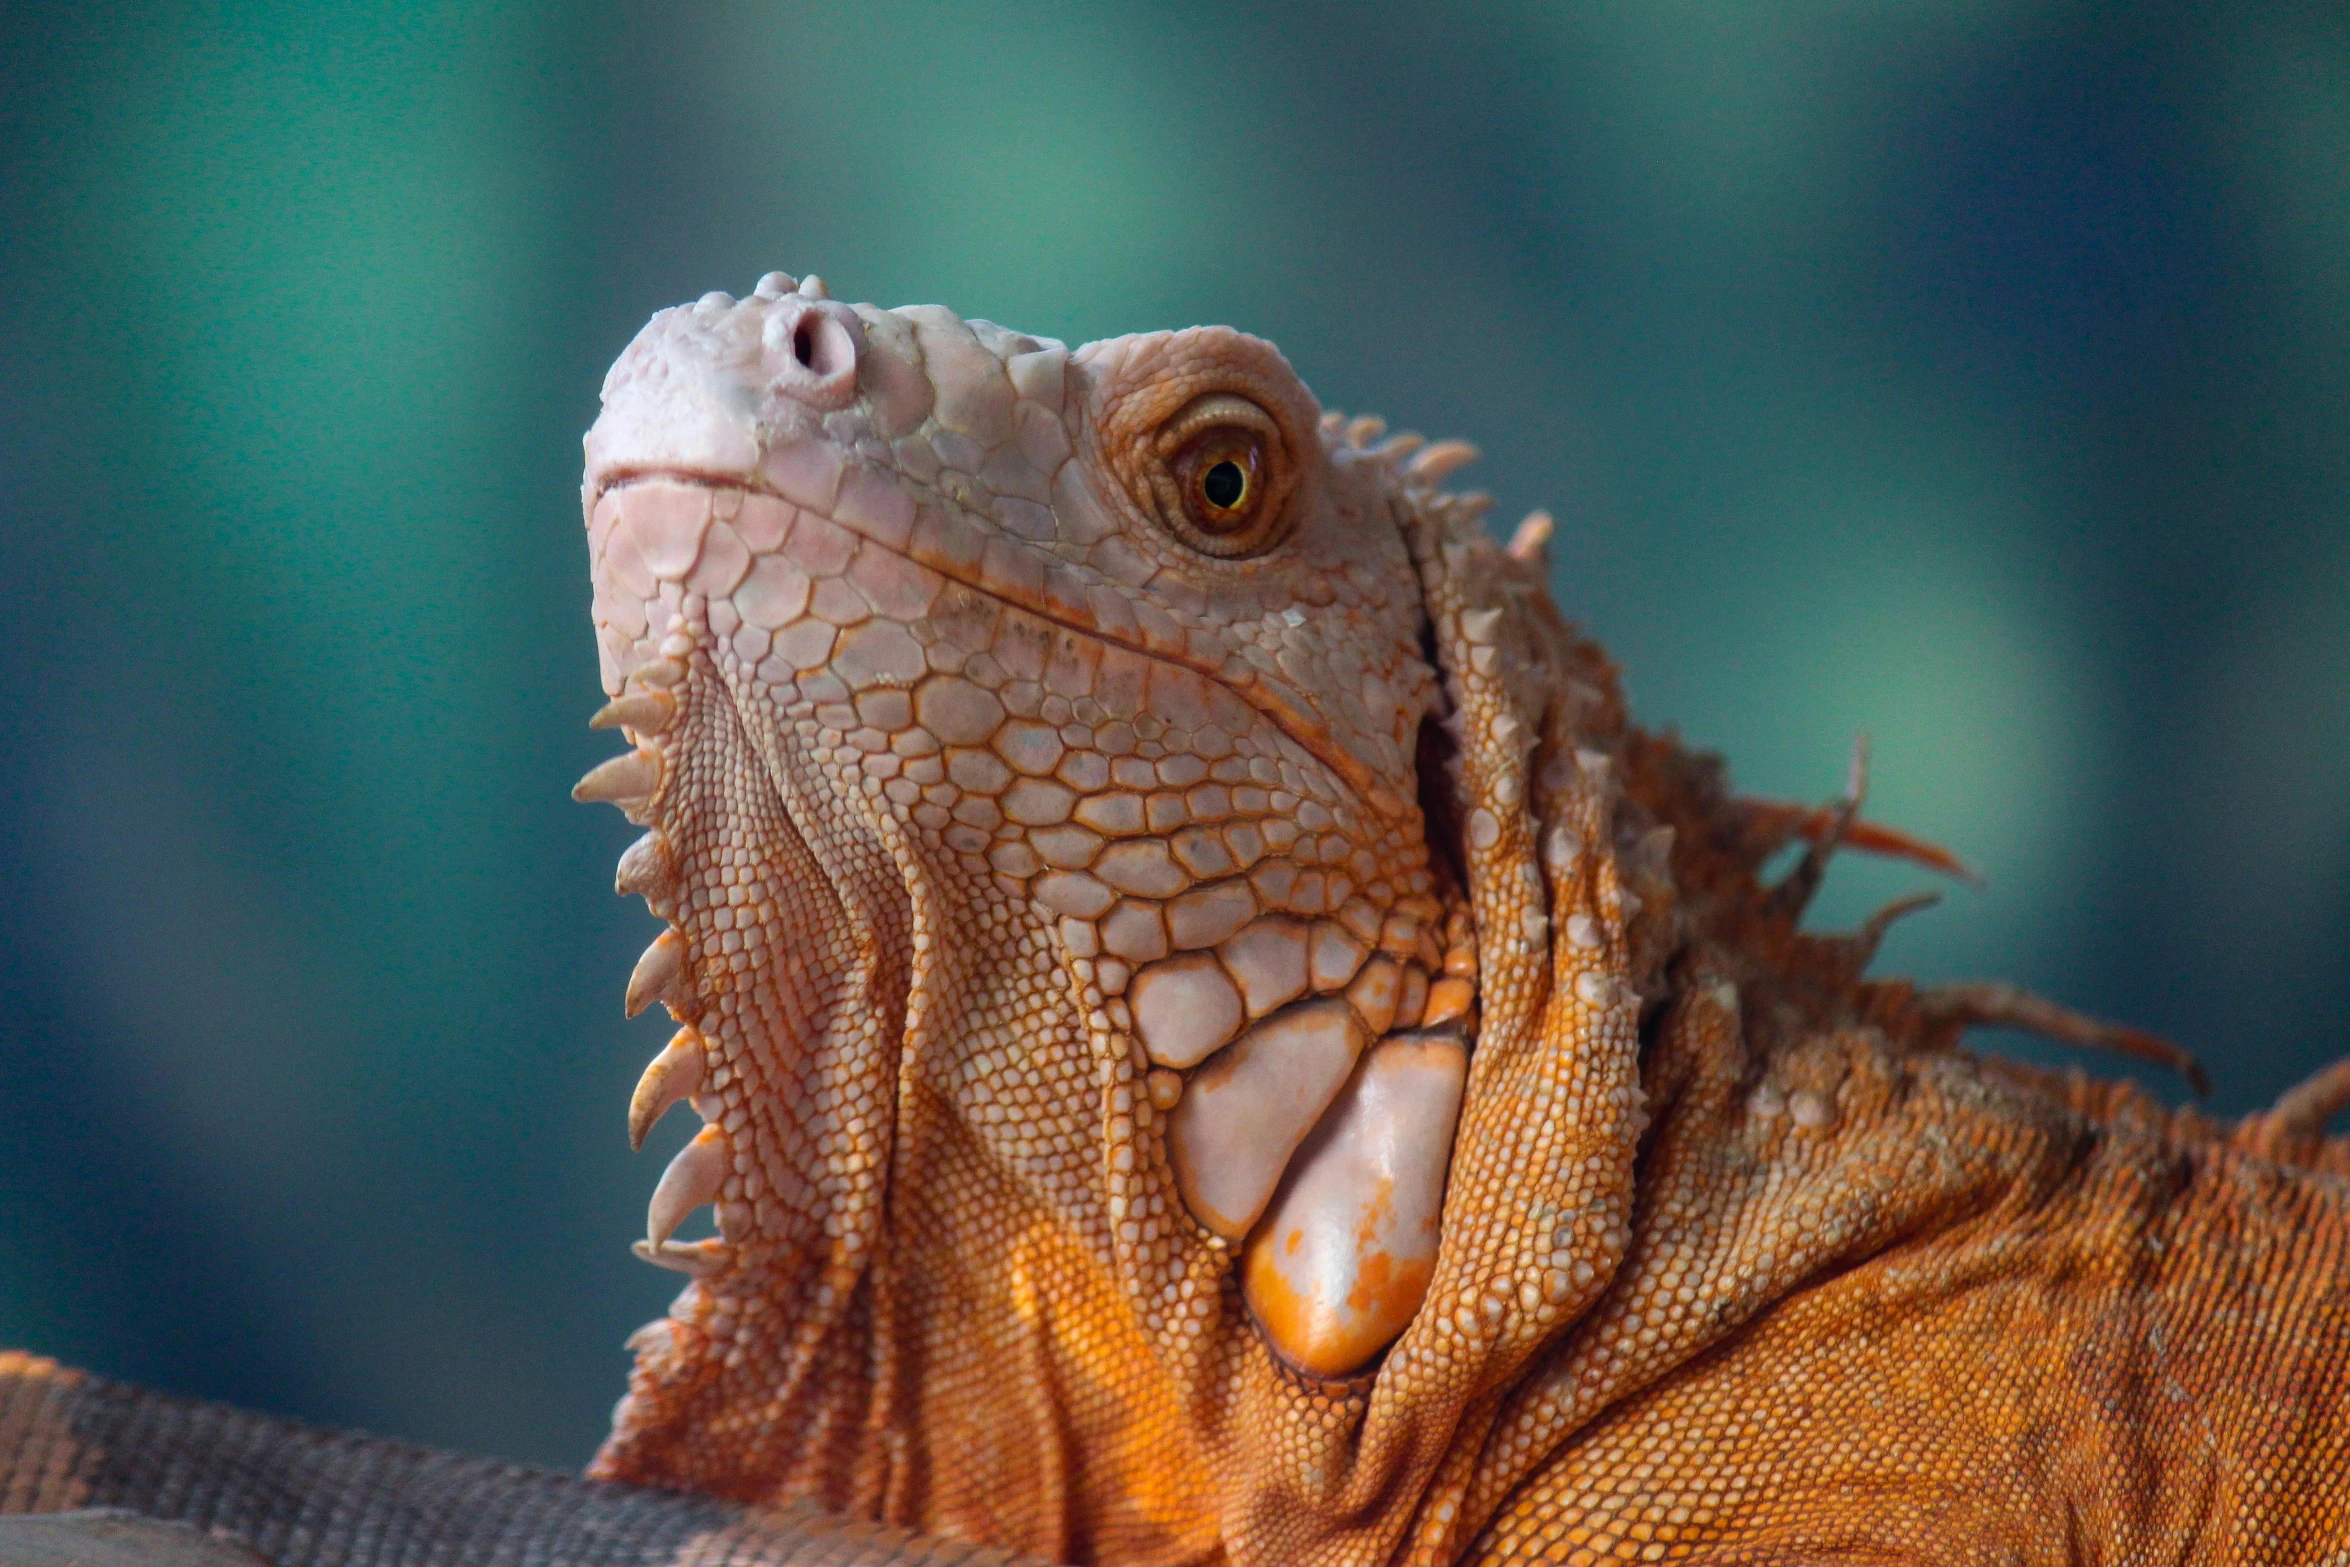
(1222, 476)
(1219, 475)
(1225, 486)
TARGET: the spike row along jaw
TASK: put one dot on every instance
(1298, 993)
(632, 781)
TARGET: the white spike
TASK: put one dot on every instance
(1479, 625)
(660, 673)
(626, 781)
(1434, 462)
(692, 1179)
(812, 287)
(1333, 422)
(1364, 429)
(670, 1077)
(1532, 535)
(1397, 447)
(647, 712)
(1561, 848)
(656, 973)
(698, 1258)
(644, 870)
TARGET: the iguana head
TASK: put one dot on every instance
(1078, 784)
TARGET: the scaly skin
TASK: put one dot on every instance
(966, 717)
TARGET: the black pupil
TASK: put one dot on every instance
(1224, 484)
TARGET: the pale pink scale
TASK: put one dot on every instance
(947, 540)
(806, 643)
(1111, 813)
(805, 471)
(1143, 867)
(724, 560)
(1065, 593)
(959, 452)
(1012, 571)
(1039, 377)
(1121, 562)
(624, 612)
(1161, 632)
(1024, 519)
(763, 521)
(1044, 440)
(625, 566)
(667, 521)
(1066, 847)
(1111, 614)
(835, 600)
(1032, 747)
(1084, 519)
(893, 585)
(879, 652)
(1207, 915)
(1184, 1009)
(1034, 802)
(600, 524)
(821, 547)
(773, 594)
(957, 711)
(877, 506)
(1011, 476)
(1268, 961)
(974, 395)
(1073, 893)
(1122, 683)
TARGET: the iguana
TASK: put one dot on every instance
(1218, 1038)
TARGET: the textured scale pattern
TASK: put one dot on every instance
(1044, 853)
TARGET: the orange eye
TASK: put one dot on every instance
(1221, 473)
(1223, 476)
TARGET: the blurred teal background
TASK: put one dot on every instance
(1969, 373)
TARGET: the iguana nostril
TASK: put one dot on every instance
(803, 343)
(812, 351)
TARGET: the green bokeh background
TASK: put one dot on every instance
(1970, 373)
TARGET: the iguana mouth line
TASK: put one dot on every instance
(1284, 716)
